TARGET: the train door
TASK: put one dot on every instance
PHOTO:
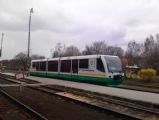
(92, 64)
(75, 69)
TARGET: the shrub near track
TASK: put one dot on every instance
(147, 74)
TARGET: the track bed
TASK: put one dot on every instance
(10, 111)
(55, 108)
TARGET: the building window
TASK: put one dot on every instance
(83, 63)
(66, 66)
(100, 65)
(53, 66)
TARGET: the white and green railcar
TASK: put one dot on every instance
(97, 69)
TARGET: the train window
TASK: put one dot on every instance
(83, 63)
(43, 66)
(35, 65)
(100, 65)
(53, 66)
(66, 66)
(75, 66)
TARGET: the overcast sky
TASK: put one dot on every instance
(75, 22)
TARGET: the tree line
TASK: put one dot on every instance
(144, 54)
(98, 47)
(20, 62)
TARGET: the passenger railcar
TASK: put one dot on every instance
(98, 69)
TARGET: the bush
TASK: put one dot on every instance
(147, 74)
(131, 73)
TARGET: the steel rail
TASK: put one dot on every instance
(113, 100)
(2, 77)
(22, 105)
(141, 88)
(108, 109)
(110, 100)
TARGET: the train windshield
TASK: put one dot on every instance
(114, 64)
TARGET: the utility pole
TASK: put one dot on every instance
(1, 65)
(1, 45)
(31, 11)
(28, 62)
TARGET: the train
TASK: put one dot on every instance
(97, 69)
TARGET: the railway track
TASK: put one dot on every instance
(4, 81)
(69, 101)
(27, 110)
(122, 108)
(137, 87)
(144, 88)
(11, 80)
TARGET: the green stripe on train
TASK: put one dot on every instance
(80, 78)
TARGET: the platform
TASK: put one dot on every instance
(123, 93)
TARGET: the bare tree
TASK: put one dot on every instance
(59, 50)
(145, 54)
(114, 50)
(100, 47)
(133, 52)
(88, 50)
(22, 60)
(36, 56)
(149, 45)
(72, 51)
(97, 47)
(150, 53)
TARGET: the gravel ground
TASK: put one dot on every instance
(55, 108)
(9, 111)
(2, 81)
(154, 83)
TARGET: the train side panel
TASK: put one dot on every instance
(83, 70)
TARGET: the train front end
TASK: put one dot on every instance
(113, 69)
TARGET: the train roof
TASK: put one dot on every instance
(73, 57)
